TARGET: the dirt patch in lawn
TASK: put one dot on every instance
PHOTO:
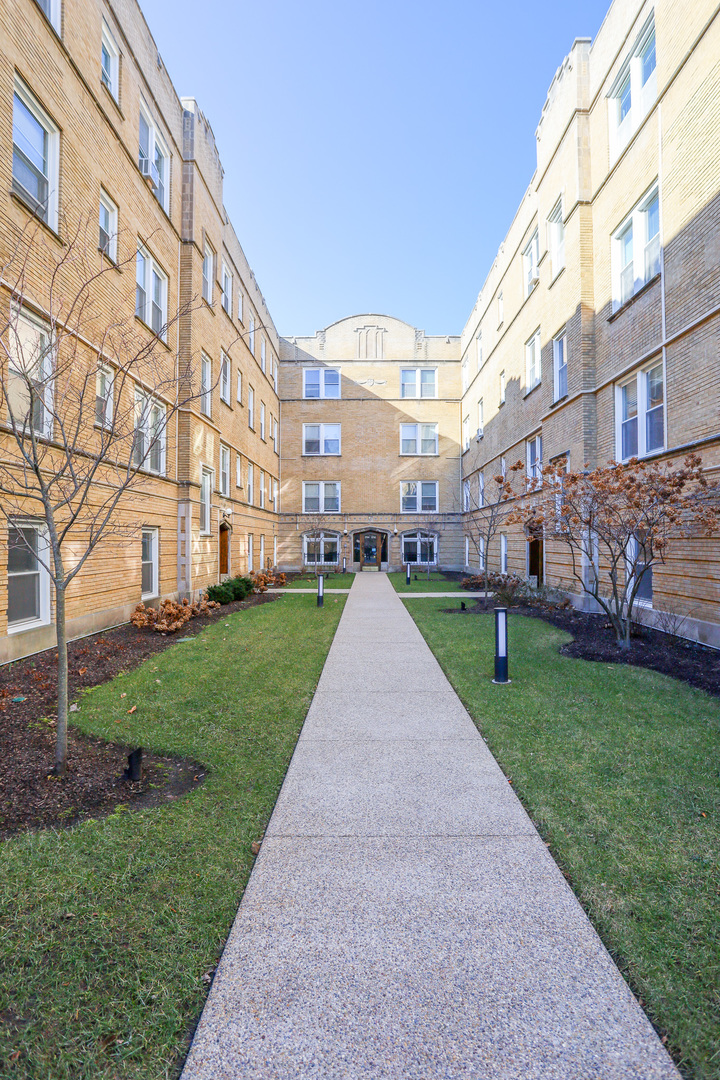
(95, 784)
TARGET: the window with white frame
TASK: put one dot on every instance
(560, 381)
(109, 61)
(251, 483)
(640, 413)
(503, 469)
(321, 548)
(240, 304)
(418, 382)
(419, 496)
(205, 385)
(481, 419)
(224, 470)
(418, 439)
(639, 571)
(251, 408)
(465, 373)
(321, 383)
(28, 586)
(29, 391)
(36, 156)
(531, 259)
(227, 289)
(108, 232)
(419, 547)
(481, 551)
(262, 420)
(481, 489)
(556, 238)
(261, 489)
(321, 439)
(467, 550)
(151, 288)
(275, 375)
(206, 490)
(500, 308)
(479, 349)
(149, 434)
(275, 435)
(534, 459)
(150, 563)
(503, 554)
(238, 391)
(502, 387)
(208, 272)
(634, 89)
(532, 362)
(466, 433)
(466, 495)
(104, 395)
(321, 497)
(263, 354)
(262, 552)
(250, 552)
(153, 158)
(275, 503)
(238, 471)
(51, 11)
(225, 378)
(251, 335)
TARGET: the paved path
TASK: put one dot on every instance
(404, 919)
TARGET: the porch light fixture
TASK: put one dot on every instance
(501, 647)
(321, 590)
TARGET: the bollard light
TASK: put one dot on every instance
(501, 646)
(344, 564)
(321, 590)
(407, 574)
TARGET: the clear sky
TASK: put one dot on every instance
(374, 153)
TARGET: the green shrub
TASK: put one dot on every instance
(221, 594)
(240, 587)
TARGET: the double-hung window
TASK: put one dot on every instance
(36, 159)
(531, 260)
(481, 419)
(560, 383)
(636, 249)
(275, 501)
(227, 290)
(638, 570)
(149, 435)
(150, 584)
(481, 489)
(640, 413)
(419, 547)
(262, 420)
(208, 272)
(418, 382)
(251, 483)
(503, 554)
(239, 304)
(263, 354)
(205, 385)
(465, 373)
(251, 408)
(109, 62)
(466, 495)
(151, 293)
(502, 387)
(29, 391)
(466, 433)
(275, 435)
(238, 390)
(479, 349)
(321, 383)
(107, 241)
(321, 497)
(238, 471)
(261, 488)
(418, 438)
(28, 578)
(225, 378)
(251, 335)
(206, 490)
(322, 439)
(556, 238)
(153, 158)
(634, 90)
(51, 11)
(275, 375)
(104, 394)
(321, 548)
(419, 496)
(532, 362)
(224, 470)
(534, 459)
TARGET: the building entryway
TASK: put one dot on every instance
(224, 550)
(535, 559)
(370, 549)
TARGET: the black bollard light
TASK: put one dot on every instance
(462, 605)
(344, 564)
(501, 646)
(134, 769)
(321, 590)
(407, 574)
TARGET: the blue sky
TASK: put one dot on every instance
(374, 154)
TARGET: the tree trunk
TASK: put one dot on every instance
(62, 685)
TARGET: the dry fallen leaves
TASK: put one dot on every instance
(134, 708)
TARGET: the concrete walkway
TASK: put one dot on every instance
(404, 919)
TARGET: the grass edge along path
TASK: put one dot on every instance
(618, 767)
(436, 583)
(110, 931)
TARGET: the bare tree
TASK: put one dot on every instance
(89, 403)
(488, 507)
(315, 526)
(619, 521)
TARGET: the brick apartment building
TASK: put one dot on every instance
(596, 334)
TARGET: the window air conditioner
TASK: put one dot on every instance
(479, 434)
(534, 274)
(149, 172)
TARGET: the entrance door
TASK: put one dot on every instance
(370, 549)
(535, 559)
(224, 550)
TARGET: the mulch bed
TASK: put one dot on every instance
(594, 639)
(30, 796)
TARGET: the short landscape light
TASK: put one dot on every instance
(462, 605)
(321, 590)
(407, 574)
(344, 563)
(501, 646)
(134, 765)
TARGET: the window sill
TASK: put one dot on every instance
(532, 389)
(27, 624)
(208, 304)
(160, 340)
(628, 303)
(226, 402)
(29, 210)
(111, 97)
(149, 596)
(319, 455)
(559, 274)
(113, 262)
(434, 454)
(558, 401)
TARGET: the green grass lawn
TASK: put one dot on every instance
(332, 581)
(619, 768)
(436, 583)
(107, 929)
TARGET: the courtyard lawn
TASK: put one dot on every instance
(110, 931)
(436, 582)
(619, 769)
(332, 581)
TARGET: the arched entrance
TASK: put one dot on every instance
(224, 550)
(370, 549)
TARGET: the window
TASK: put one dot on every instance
(636, 249)
(262, 552)
(261, 489)
(262, 420)
(501, 309)
(238, 471)
(481, 422)
(224, 470)
(250, 552)
(225, 378)
(479, 349)
(251, 408)
(28, 579)
(35, 166)
(419, 547)
(227, 288)
(556, 239)
(275, 375)
(466, 496)
(465, 371)
(321, 438)
(51, 11)
(418, 496)
(275, 435)
(275, 508)
(640, 411)
(107, 242)
(104, 387)
(251, 483)
(151, 294)
(534, 459)
(466, 433)
(321, 383)
(531, 258)
(560, 384)
(638, 569)
(149, 563)
(208, 273)
(205, 385)
(503, 469)
(153, 158)
(321, 497)
(109, 62)
(481, 551)
(467, 550)
(149, 435)
(321, 548)
(263, 355)
(418, 438)
(532, 362)
(633, 91)
(251, 335)
(240, 305)
(418, 382)
(481, 489)
(206, 489)
(502, 387)
(29, 392)
(238, 392)
(503, 553)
